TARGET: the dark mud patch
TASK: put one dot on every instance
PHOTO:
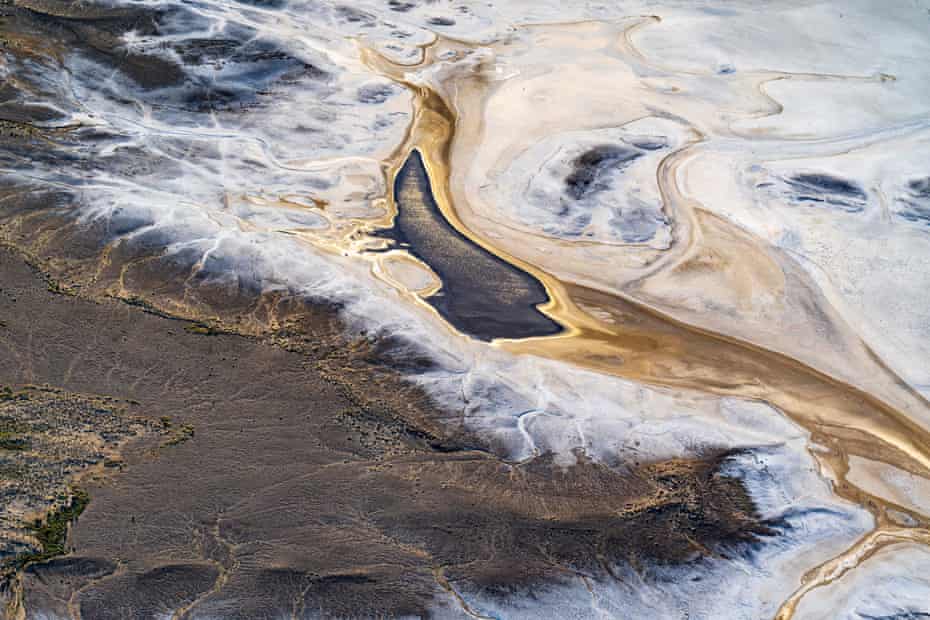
(590, 202)
(375, 93)
(265, 4)
(914, 204)
(650, 143)
(233, 73)
(482, 295)
(591, 170)
(353, 15)
(828, 190)
(401, 7)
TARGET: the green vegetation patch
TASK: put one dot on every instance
(52, 533)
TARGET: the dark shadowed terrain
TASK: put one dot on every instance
(313, 479)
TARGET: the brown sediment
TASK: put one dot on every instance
(641, 343)
(318, 478)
